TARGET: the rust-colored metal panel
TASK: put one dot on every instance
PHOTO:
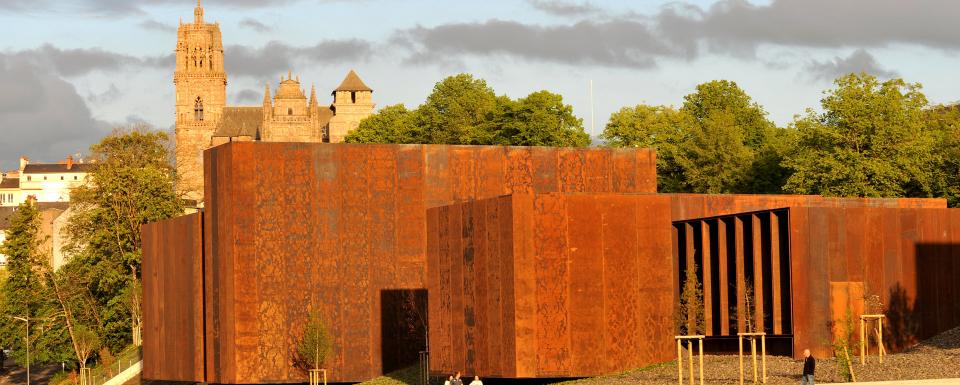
(469, 290)
(552, 280)
(758, 287)
(545, 168)
(524, 286)
(815, 290)
(724, 277)
(873, 252)
(854, 224)
(586, 284)
(173, 326)
(572, 173)
(707, 278)
(359, 228)
(621, 287)
(804, 335)
(508, 275)
(777, 310)
(591, 271)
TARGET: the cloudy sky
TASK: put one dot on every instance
(72, 69)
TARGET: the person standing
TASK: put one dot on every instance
(456, 380)
(449, 381)
(809, 365)
(476, 381)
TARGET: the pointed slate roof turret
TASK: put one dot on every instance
(353, 83)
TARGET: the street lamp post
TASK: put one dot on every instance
(27, 320)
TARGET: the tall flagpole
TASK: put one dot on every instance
(593, 127)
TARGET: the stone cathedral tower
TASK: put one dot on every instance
(203, 119)
(201, 95)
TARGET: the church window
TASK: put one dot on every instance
(353, 97)
(61, 177)
(44, 178)
(74, 177)
(198, 109)
(289, 111)
(29, 178)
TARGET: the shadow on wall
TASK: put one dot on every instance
(937, 306)
(900, 331)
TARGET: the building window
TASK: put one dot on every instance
(353, 97)
(44, 177)
(289, 111)
(61, 177)
(198, 109)
(29, 178)
(74, 177)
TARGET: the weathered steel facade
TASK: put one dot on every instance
(292, 227)
(550, 285)
(818, 263)
(173, 288)
(538, 262)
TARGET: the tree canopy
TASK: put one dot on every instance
(871, 140)
(465, 110)
(132, 184)
(715, 143)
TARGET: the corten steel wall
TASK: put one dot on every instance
(693, 206)
(290, 226)
(731, 252)
(173, 305)
(909, 257)
(550, 285)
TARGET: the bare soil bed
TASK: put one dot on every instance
(938, 357)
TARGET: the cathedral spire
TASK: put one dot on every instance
(266, 95)
(198, 13)
(313, 96)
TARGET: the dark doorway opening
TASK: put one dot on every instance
(403, 327)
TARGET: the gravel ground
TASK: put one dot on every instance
(936, 358)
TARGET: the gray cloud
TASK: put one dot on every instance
(565, 8)
(154, 25)
(255, 25)
(81, 61)
(276, 57)
(248, 96)
(613, 43)
(44, 113)
(123, 7)
(858, 61)
(736, 26)
(681, 30)
(111, 95)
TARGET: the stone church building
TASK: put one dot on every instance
(203, 118)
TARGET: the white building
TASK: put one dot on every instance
(45, 182)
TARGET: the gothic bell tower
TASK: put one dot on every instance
(201, 94)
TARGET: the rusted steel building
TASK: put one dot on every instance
(526, 262)
(289, 227)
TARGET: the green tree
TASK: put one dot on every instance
(315, 344)
(944, 124)
(133, 184)
(719, 141)
(715, 159)
(458, 111)
(662, 128)
(23, 290)
(741, 159)
(540, 119)
(392, 124)
(870, 141)
(465, 110)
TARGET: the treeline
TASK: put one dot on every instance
(90, 308)
(869, 138)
